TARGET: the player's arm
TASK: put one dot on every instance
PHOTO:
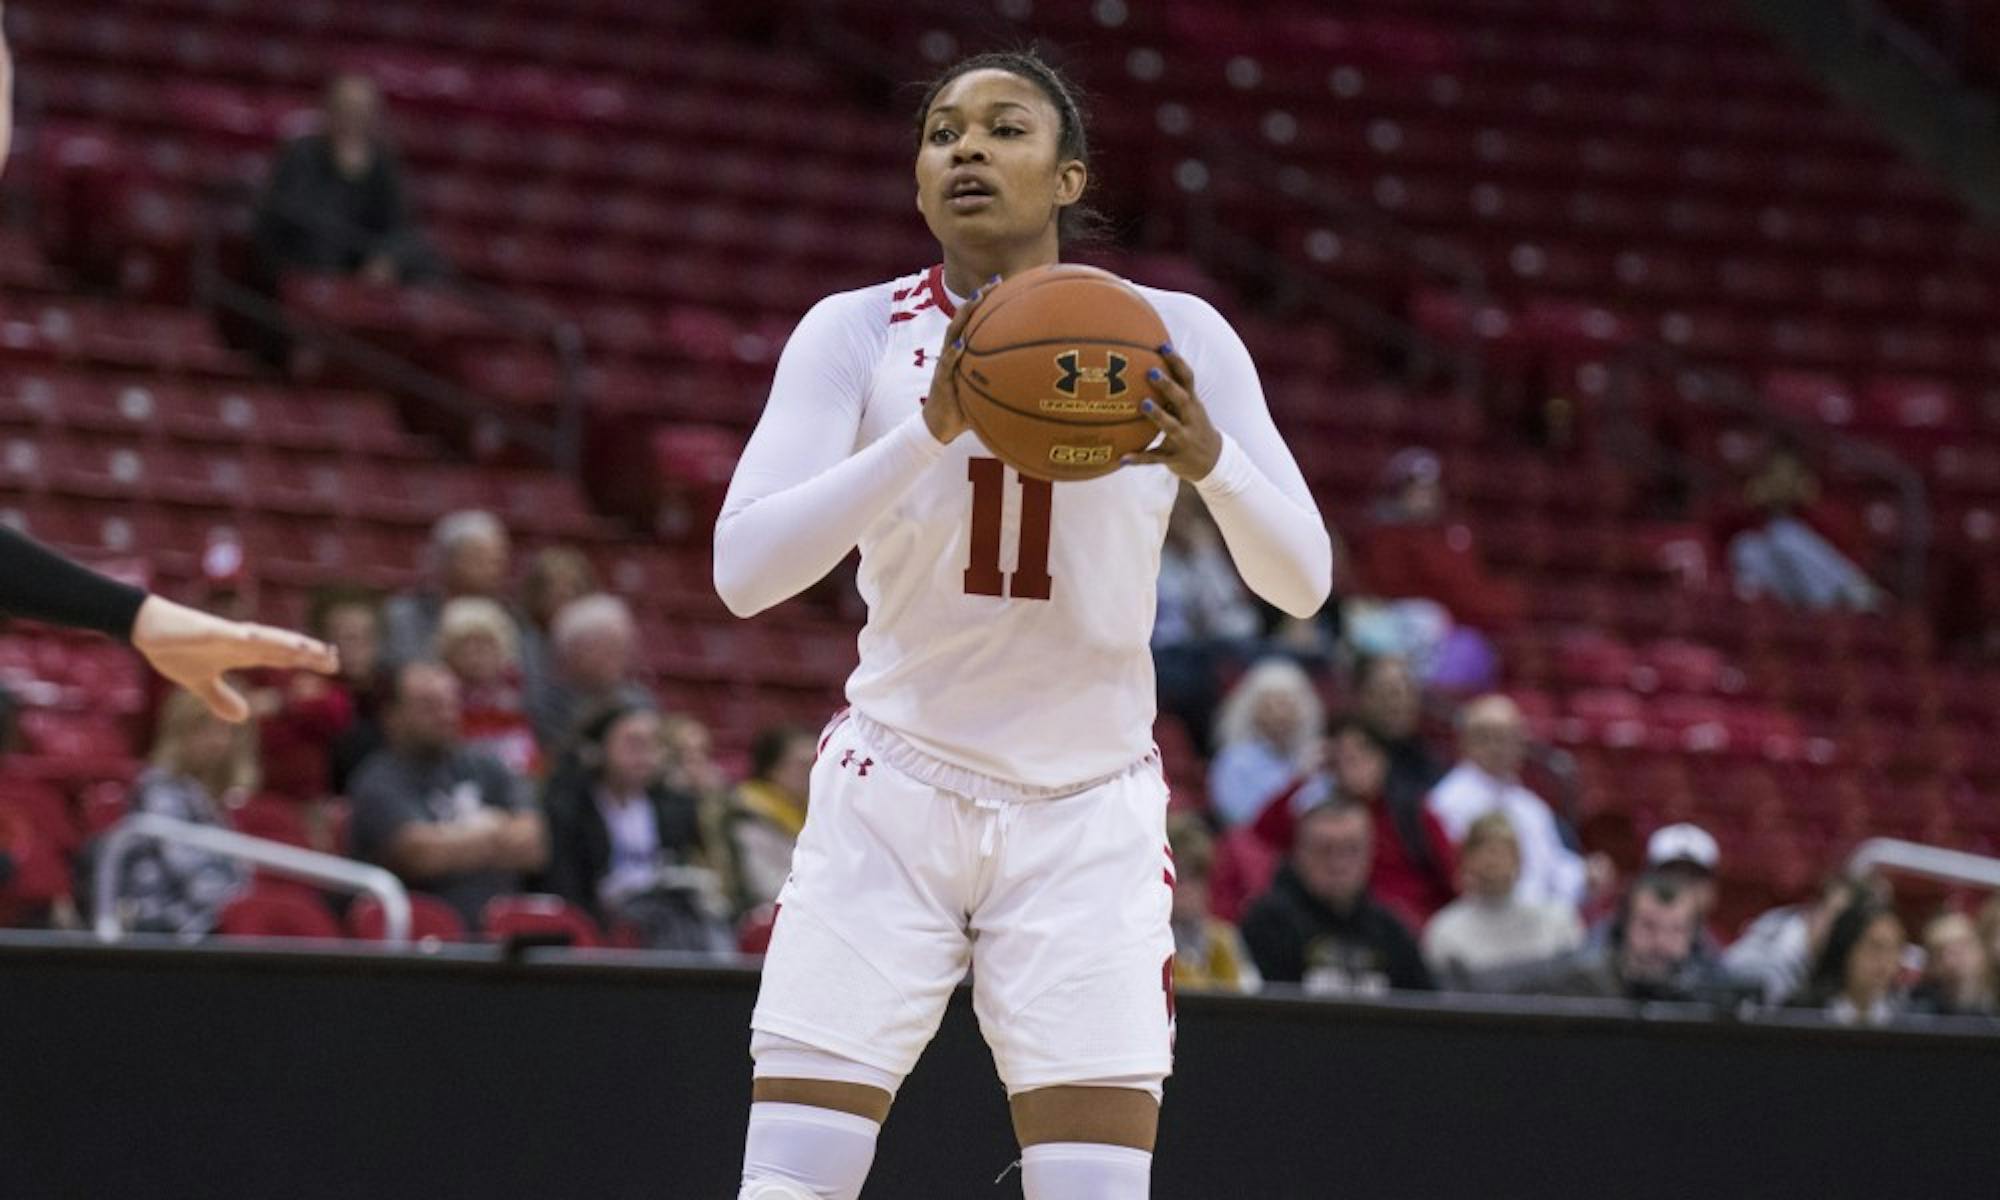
(802, 496)
(1222, 440)
(191, 648)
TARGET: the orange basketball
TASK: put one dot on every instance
(1054, 368)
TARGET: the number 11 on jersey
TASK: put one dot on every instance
(983, 577)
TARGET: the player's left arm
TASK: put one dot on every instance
(1222, 441)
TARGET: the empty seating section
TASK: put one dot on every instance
(1619, 170)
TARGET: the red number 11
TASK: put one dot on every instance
(983, 576)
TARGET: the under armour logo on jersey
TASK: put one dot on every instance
(921, 355)
(1074, 373)
(860, 768)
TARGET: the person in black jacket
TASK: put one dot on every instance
(1319, 927)
(626, 847)
(336, 200)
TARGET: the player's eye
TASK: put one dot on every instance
(1008, 131)
(942, 135)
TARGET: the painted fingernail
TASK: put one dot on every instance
(992, 281)
(1153, 373)
(1166, 348)
(1145, 406)
(959, 344)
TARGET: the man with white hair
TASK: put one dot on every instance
(468, 557)
(1495, 742)
(595, 643)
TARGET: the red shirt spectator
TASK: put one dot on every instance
(1410, 549)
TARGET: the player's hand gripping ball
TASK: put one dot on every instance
(1064, 373)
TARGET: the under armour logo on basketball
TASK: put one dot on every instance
(1074, 373)
(860, 768)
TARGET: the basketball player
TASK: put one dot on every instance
(992, 797)
(191, 648)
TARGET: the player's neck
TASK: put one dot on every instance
(966, 270)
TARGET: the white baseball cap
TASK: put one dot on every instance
(1683, 843)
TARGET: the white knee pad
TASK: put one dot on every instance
(800, 1152)
(780, 1057)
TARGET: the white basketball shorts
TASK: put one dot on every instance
(1061, 908)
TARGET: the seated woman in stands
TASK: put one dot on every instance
(201, 768)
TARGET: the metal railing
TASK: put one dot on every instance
(326, 870)
(1933, 862)
(561, 445)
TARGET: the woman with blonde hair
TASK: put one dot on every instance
(201, 767)
(1267, 734)
(478, 640)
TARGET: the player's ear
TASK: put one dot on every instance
(1071, 178)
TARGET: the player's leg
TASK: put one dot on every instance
(1072, 984)
(863, 957)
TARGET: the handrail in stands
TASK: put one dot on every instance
(562, 445)
(1935, 862)
(326, 870)
(1724, 389)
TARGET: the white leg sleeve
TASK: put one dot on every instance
(1085, 1171)
(800, 1152)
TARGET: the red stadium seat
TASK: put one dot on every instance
(430, 919)
(268, 912)
(538, 915)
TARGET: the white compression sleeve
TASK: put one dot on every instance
(824, 1153)
(1256, 492)
(801, 496)
(1085, 1171)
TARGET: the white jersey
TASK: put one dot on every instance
(1008, 618)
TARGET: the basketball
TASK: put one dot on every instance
(1054, 369)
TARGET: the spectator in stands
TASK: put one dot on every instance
(1205, 619)
(1208, 952)
(1779, 946)
(1649, 955)
(1959, 974)
(1854, 977)
(1415, 869)
(10, 837)
(1989, 926)
(1412, 549)
(1494, 738)
(336, 200)
(477, 640)
(594, 642)
(625, 847)
(1786, 546)
(352, 623)
(1688, 855)
(447, 819)
(1390, 705)
(557, 576)
(1493, 924)
(469, 557)
(1267, 735)
(768, 810)
(689, 766)
(1318, 926)
(200, 768)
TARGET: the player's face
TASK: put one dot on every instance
(988, 168)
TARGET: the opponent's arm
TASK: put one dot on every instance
(801, 499)
(1236, 459)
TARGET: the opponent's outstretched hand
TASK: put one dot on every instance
(1191, 443)
(194, 649)
(941, 411)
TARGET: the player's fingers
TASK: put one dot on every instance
(224, 701)
(267, 646)
(1142, 458)
(1178, 367)
(954, 332)
(1169, 424)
